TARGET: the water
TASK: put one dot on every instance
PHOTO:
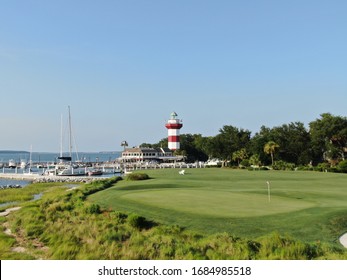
(5, 182)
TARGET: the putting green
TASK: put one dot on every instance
(216, 203)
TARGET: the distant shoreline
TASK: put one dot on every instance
(13, 152)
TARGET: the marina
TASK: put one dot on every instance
(18, 175)
(93, 171)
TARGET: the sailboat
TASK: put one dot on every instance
(30, 162)
(70, 169)
(65, 167)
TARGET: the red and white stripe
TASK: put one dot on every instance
(173, 126)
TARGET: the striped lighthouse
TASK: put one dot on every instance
(173, 125)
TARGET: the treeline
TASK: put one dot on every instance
(323, 144)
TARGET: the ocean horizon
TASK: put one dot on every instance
(44, 157)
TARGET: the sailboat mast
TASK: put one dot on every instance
(30, 158)
(61, 135)
(70, 137)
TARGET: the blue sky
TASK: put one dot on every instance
(124, 66)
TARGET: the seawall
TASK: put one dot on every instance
(36, 178)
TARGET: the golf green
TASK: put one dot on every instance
(216, 202)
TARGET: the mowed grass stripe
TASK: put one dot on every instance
(306, 205)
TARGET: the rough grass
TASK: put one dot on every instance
(21, 194)
(305, 205)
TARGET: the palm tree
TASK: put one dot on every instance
(124, 144)
(270, 148)
(239, 155)
(255, 160)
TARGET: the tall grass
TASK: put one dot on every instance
(22, 194)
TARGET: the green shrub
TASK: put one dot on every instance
(323, 166)
(93, 209)
(119, 217)
(137, 221)
(334, 169)
(342, 166)
(137, 176)
(305, 168)
(245, 163)
(282, 165)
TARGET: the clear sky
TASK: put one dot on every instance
(124, 65)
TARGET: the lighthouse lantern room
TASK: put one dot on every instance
(174, 125)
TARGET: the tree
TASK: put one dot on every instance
(255, 160)
(257, 143)
(294, 141)
(124, 144)
(270, 148)
(189, 144)
(229, 140)
(239, 155)
(329, 137)
(205, 145)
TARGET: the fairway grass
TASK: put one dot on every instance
(309, 206)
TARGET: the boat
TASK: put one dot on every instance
(23, 164)
(12, 163)
(50, 169)
(69, 170)
(66, 167)
(95, 172)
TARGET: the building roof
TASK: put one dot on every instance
(166, 150)
(148, 150)
(133, 150)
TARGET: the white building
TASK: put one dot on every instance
(149, 155)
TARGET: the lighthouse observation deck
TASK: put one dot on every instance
(173, 125)
(173, 122)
